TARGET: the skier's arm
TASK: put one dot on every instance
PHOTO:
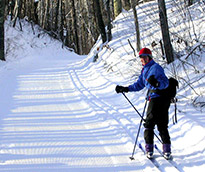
(161, 79)
(137, 86)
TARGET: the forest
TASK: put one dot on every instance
(78, 23)
(61, 61)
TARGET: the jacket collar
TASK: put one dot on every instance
(150, 63)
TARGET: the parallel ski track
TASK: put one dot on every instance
(153, 160)
(74, 77)
(172, 162)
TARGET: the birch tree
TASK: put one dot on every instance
(17, 11)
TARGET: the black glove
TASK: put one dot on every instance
(120, 89)
(153, 82)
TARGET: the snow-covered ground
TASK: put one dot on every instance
(59, 111)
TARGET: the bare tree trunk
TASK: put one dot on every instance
(32, 10)
(23, 7)
(101, 24)
(117, 7)
(2, 10)
(79, 18)
(36, 12)
(11, 6)
(41, 14)
(190, 2)
(138, 43)
(126, 4)
(45, 26)
(109, 27)
(56, 15)
(60, 20)
(86, 34)
(50, 14)
(92, 25)
(75, 29)
(6, 2)
(165, 31)
(68, 24)
(17, 11)
(112, 9)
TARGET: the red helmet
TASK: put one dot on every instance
(145, 52)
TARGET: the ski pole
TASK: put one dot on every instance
(142, 119)
(133, 106)
(175, 112)
(133, 152)
(140, 115)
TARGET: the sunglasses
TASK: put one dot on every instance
(143, 55)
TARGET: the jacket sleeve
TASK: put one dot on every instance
(160, 76)
(137, 86)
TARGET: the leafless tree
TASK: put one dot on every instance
(165, 31)
(138, 43)
(2, 11)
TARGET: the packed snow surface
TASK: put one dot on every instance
(59, 111)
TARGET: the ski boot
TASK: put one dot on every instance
(149, 150)
(149, 155)
(167, 151)
(167, 155)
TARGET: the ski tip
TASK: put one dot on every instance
(132, 158)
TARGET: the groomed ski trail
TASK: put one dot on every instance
(55, 123)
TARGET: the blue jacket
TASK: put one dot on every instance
(151, 68)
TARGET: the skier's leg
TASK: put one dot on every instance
(164, 134)
(162, 125)
(149, 138)
(149, 129)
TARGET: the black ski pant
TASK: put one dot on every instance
(157, 114)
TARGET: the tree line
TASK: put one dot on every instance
(78, 23)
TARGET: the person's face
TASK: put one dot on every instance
(144, 60)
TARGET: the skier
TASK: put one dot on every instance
(153, 78)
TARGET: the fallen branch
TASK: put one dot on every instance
(192, 51)
(189, 85)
